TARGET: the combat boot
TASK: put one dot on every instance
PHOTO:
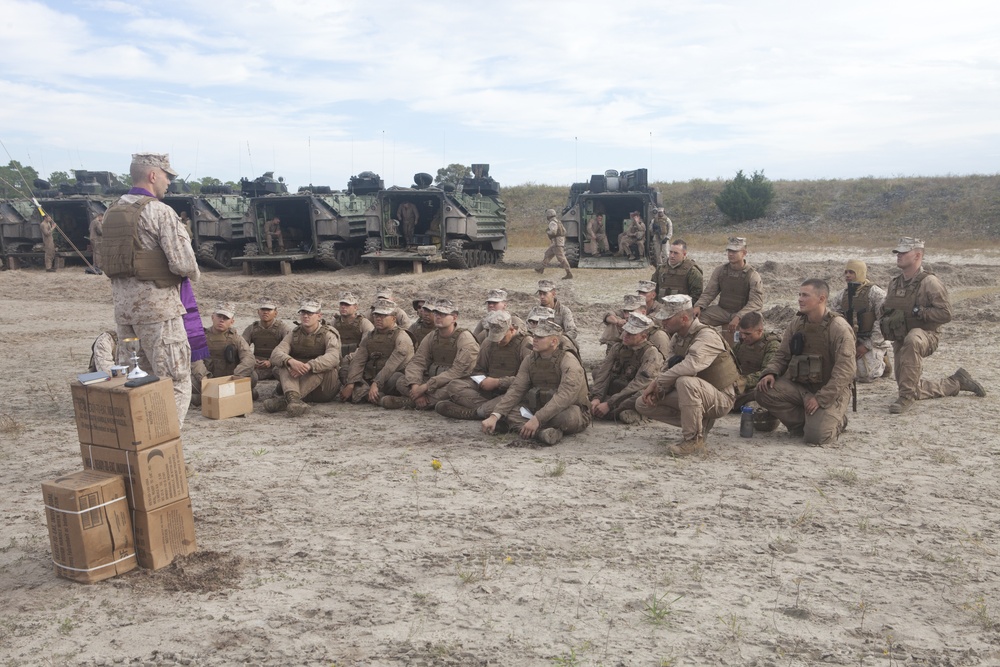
(966, 383)
(629, 417)
(687, 447)
(568, 276)
(901, 405)
(539, 269)
(455, 411)
(196, 400)
(549, 436)
(254, 394)
(276, 404)
(397, 402)
(296, 407)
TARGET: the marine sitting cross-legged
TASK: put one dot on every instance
(627, 369)
(306, 363)
(228, 353)
(264, 335)
(382, 353)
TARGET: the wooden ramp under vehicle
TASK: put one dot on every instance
(383, 258)
(594, 262)
(284, 258)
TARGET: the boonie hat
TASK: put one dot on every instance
(160, 160)
(633, 302)
(546, 286)
(499, 323)
(736, 243)
(225, 308)
(349, 298)
(907, 243)
(672, 305)
(310, 306)
(547, 328)
(496, 296)
(267, 303)
(637, 323)
(383, 307)
(645, 286)
(445, 306)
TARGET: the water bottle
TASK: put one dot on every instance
(746, 422)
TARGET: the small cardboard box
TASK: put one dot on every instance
(109, 414)
(164, 534)
(225, 397)
(154, 477)
(90, 528)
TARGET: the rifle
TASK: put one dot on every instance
(852, 289)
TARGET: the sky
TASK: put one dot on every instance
(544, 91)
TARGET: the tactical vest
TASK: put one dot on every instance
(673, 280)
(350, 333)
(122, 255)
(264, 340)
(420, 331)
(722, 373)
(545, 375)
(93, 350)
(897, 315)
(626, 366)
(217, 345)
(443, 352)
(734, 288)
(380, 348)
(306, 347)
(505, 361)
(750, 358)
(814, 366)
(864, 314)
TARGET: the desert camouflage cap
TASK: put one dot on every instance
(310, 306)
(225, 308)
(908, 243)
(499, 323)
(160, 160)
(445, 306)
(547, 328)
(539, 313)
(546, 285)
(496, 296)
(633, 302)
(645, 286)
(736, 243)
(672, 305)
(350, 298)
(550, 213)
(267, 303)
(421, 299)
(383, 307)
(383, 292)
(637, 323)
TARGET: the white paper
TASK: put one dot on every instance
(228, 389)
(526, 413)
(478, 378)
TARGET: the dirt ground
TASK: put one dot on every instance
(331, 539)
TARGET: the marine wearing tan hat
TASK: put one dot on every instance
(145, 283)
(738, 287)
(627, 368)
(557, 244)
(496, 300)
(548, 297)
(500, 356)
(552, 386)
(916, 306)
(378, 363)
(698, 383)
(632, 242)
(614, 320)
(861, 303)
(264, 335)
(306, 362)
(229, 353)
(385, 292)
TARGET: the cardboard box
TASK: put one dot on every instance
(225, 397)
(163, 534)
(109, 414)
(90, 527)
(154, 477)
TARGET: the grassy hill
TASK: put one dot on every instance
(950, 211)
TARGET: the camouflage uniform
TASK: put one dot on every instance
(422, 368)
(155, 315)
(564, 379)
(217, 366)
(104, 352)
(685, 278)
(482, 329)
(740, 291)
(623, 374)
(867, 304)
(635, 235)
(564, 318)
(95, 233)
(557, 243)
(322, 382)
(367, 367)
(272, 232)
(264, 340)
(48, 227)
(419, 331)
(597, 231)
(663, 231)
(493, 361)
(752, 359)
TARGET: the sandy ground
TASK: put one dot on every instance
(331, 539)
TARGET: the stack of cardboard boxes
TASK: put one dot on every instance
(132, 433)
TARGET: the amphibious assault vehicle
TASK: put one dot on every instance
(316, 223)
(615, 195)
(216, 221)
(71, 205)
(463, 225)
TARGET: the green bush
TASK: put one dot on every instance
(745, 198)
